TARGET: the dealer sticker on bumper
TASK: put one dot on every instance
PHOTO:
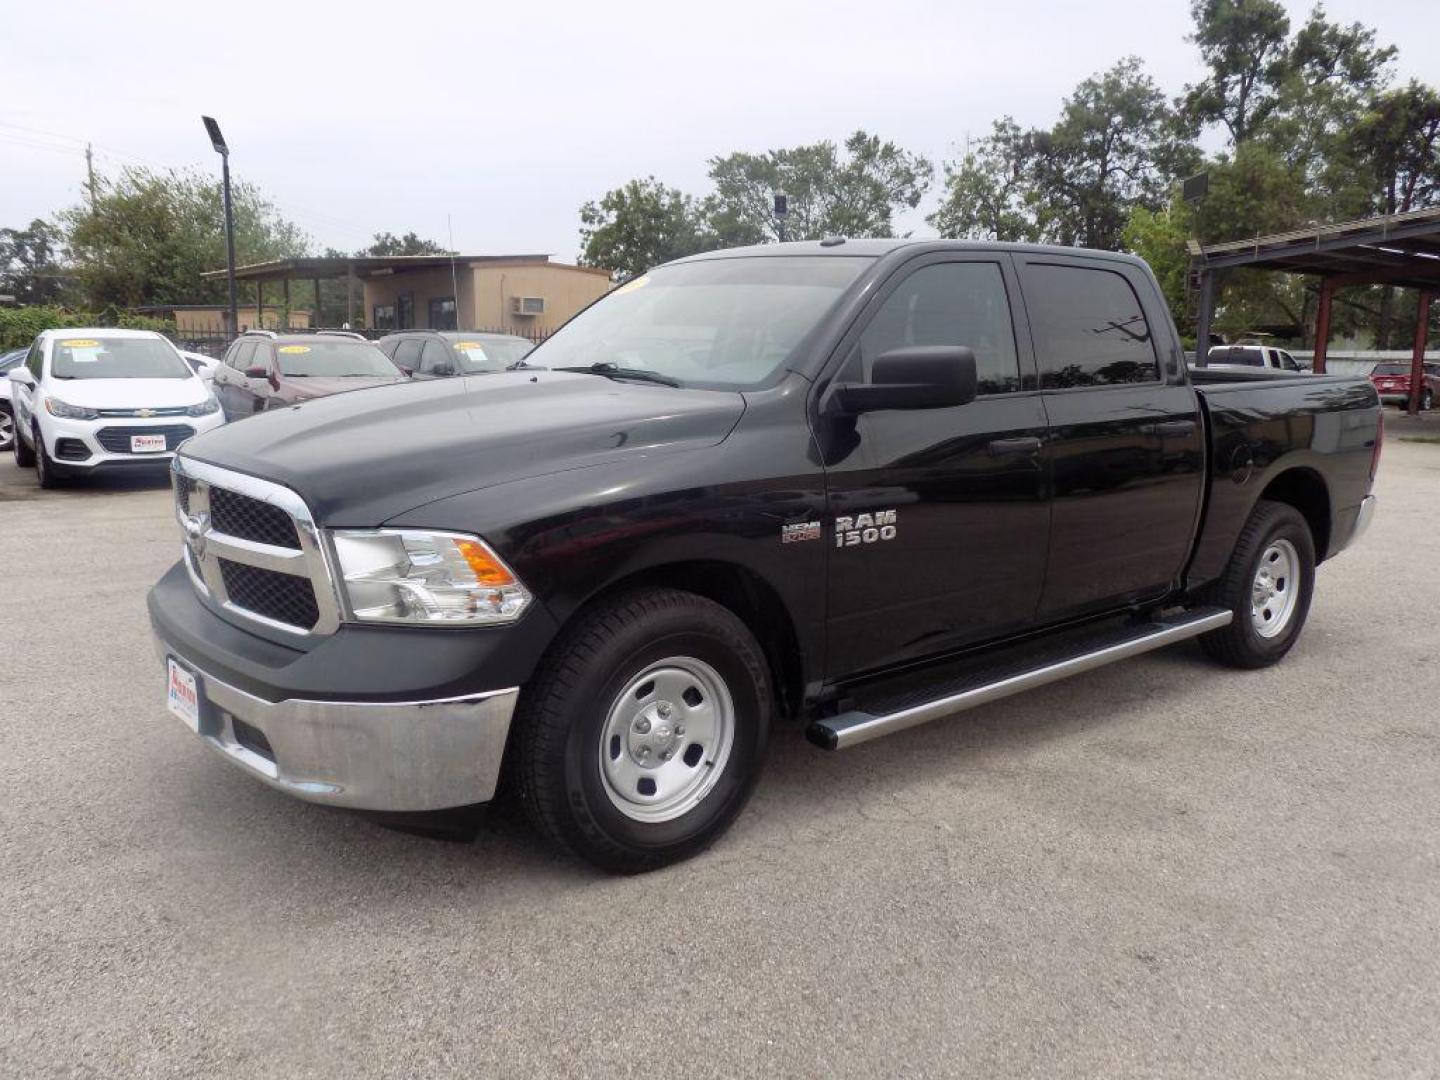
(147, 444)
(182, 697)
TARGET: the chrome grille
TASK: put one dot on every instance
(253, 551)
(252, 519)
(117, 439)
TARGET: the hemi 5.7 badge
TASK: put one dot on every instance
(803, 530)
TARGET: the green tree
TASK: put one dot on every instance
(852, 193)
(30, 269)
(640, 225)
(150, 235)
(409, 244)
(988, 193)
(1244, 46)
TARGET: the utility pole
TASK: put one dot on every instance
(218, 142)
(782, 210)
(90, 174)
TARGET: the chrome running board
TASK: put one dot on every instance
(856, 727)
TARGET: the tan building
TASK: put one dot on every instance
(517, 294)
(213, 318)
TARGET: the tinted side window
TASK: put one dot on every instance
(263, 356)
(239, 357)
(1288, 362)
(1089, 328)
(950, 304)
(435, 354)
(408, 354)
(35, 361)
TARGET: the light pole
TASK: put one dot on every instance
(218, 142)
(782, 210)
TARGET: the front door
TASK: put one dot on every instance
(1126, 439)
(938, 522)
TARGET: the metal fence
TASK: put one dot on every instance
(215, 342)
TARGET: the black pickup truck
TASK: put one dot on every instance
(855, 484)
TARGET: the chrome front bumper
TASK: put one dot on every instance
(406, 756)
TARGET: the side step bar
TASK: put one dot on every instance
(856, 727)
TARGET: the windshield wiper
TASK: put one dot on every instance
(615, 371)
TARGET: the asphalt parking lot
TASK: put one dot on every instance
(1161, 868)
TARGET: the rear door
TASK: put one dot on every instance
(230, 380)
(939, 524)
(407, 356)
(1125, 438)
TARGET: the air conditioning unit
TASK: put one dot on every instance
(527, 305)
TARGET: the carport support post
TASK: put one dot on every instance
(1203, 317)
(286, 292)
(350, 295)
(317, 321)
(1417, 359)
(1322, 325)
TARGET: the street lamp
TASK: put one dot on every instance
(782, 210)
(218, 142)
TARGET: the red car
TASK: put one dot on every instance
(1393, 383)
(266, 370)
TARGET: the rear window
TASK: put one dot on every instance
(99, 357)
(489, 354)
(1238, 355)
(1089, 327)
(1391, 369)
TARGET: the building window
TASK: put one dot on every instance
(405, 311)
(442, 313)
(384, 317)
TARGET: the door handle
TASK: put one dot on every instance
(1005, 447)
(1173, 429)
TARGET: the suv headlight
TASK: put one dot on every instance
(63, 409)
(204, 408)
(415, 576)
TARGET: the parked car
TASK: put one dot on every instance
(202, 365)
(1262, 356)
(861, 484)
(7, 415)
(265, 370)
(88, 400)
(435, 354)
(1392, 382)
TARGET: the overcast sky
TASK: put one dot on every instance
(359, 118)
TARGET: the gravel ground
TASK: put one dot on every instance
(1161, 868)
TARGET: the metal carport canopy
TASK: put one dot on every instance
(1398, 249)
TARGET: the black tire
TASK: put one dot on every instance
(47, 473)
(1241, 644)
(24, 455)
(563, 716)
(8, 434)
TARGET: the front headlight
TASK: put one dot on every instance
(204, 408)
(63, 409)
(413, 576)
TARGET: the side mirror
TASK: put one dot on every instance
(914, 377)
(256, 373)
(442, 370)
(406, 371)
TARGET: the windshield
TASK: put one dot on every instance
(333, 359)
(1391, 369)
(720, 323)
(116, 358)
(488, 354)
(10, 360)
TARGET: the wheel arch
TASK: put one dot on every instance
(742, 591)
(1305, 490)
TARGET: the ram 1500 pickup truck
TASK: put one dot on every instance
(855, 484)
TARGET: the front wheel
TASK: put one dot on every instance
(1268, 586)
(7, 428)
(642, 737)
(46, 473)
(1427, 400)
(24, 455)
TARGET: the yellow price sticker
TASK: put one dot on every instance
(294, 348)
(81, 343)
(630, 286)
(467, 346)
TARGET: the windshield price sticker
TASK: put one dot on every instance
(630, 286)
(293, 348)
(468, 346)
(81, 343)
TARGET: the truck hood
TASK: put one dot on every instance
(359, 459)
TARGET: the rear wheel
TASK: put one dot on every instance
(7, 428)
(1268, 586)
(642, 738)
(1427, 399)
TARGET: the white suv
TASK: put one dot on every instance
(87, 400)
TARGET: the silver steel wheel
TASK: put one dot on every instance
(7, 430)
(1276, 589)
(666, 739)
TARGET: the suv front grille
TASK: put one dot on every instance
(250, 519)
(183, 484)
(282, 597)
(117, 439)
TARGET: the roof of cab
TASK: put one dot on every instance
(878, 248)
